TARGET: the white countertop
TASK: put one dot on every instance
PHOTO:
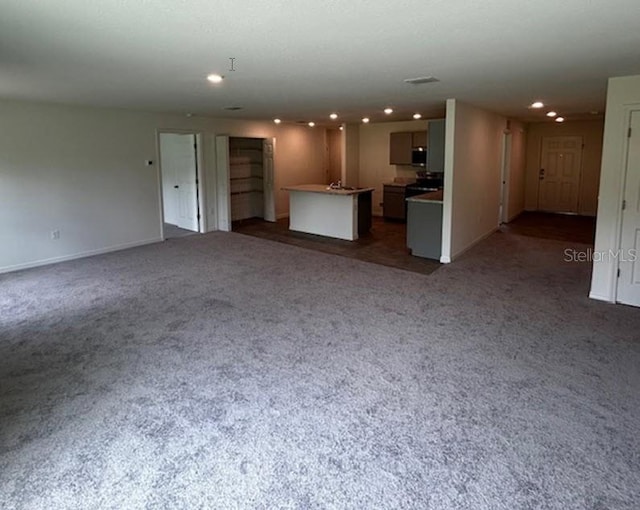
(399, 184)
(433, 197)
(324, 188)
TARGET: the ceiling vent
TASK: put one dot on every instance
(233, 108)
(421, 80)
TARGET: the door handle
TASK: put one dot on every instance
(176, 186)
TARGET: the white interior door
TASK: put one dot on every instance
(628, 257)
(268, 176)
(169, 196)
(560, 168)
(179, 179)
(504, 178)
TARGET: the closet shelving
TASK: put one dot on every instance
(246, 177)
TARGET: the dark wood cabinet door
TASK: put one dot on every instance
(419, 138)
(400, 145)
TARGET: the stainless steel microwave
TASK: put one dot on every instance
(419, 156)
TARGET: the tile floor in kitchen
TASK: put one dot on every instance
(386, 243)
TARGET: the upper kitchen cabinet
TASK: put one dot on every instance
(419, 139)
(402, 144)
(435, 145)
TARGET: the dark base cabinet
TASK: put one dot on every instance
(394, 206)
(364, 213)
(424, 229)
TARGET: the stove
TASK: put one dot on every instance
(425, 182)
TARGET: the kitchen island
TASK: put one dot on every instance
(424, 225)
(341, 213)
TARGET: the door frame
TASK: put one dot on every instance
(223, 186)
(200, 184)
(542, 138)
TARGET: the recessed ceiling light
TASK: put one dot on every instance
(388, 111)
(365, 120)
(311, 124)
(215, 78)
(341, 128)
(559, 119)
(537, 104)
(551, 114)
(417, 116)
(277, 121)
(333, 116)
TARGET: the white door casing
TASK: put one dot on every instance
(628, 291)
(178, 162)
(560, 172)
(223, 197)
(268, 154)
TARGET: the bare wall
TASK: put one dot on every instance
(83, 171)
(473, 167)
(591, 132)
(350, 152)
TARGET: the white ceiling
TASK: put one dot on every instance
(302, 59)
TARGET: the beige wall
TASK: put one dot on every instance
(334, 155)
(350, 155)
(374, 156)
(473, 169)
(516, 177)
(83, 171)
(623, 95)
(591, 133)
(300, 157)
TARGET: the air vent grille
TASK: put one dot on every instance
(421, 80)
(233, 108)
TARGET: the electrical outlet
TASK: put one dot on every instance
(55, 234)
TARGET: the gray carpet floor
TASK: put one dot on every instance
(229, 372)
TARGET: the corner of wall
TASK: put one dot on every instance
(447, 200)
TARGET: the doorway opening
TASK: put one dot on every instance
(180, 184)
(244, 180)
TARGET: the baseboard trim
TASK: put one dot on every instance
(282, 216)
(80, 255)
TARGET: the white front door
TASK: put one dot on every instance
(560, 168)
(629, 255)
(179, 167)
